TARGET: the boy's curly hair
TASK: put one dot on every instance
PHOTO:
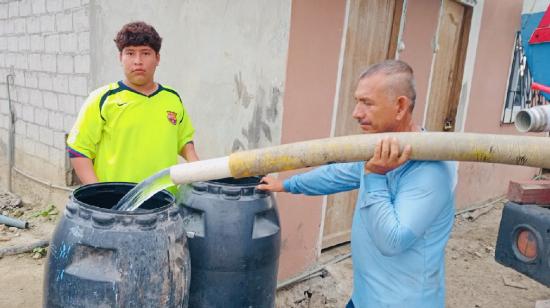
(138, 34)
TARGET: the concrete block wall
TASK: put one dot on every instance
(45, 45)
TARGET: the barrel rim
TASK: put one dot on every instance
(138, 211)
(236, 182)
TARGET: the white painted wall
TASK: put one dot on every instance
(226, 59)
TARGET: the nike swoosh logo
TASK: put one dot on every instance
(121, 104)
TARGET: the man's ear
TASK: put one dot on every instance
(158, 57)
(120, 57)
(403, 107)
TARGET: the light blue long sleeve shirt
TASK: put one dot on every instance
(401, 224)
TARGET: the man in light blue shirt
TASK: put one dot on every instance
(405, 209)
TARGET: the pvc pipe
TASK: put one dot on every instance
(11, 145)
(43, 182)
(203, 170)
(22, 248)
(503, 149)
(12, 222)
(535, 119)
(11, 131)
(314, 272)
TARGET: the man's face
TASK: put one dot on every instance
(375, 111)
(140, 63)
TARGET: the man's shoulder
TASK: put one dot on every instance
(431, 172)
(434, 165)
(416, 169)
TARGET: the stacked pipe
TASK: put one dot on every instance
(535, 119)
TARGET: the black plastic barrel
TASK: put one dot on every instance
(99, 257)
(234, 240)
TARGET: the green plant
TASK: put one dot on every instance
(40, 250)
(48, 212)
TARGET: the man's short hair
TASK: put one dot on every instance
(400, 75)
(138, 33)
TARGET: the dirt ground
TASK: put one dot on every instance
(474, 279)
(21, 275)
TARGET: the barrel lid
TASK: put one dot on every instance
(230, 188)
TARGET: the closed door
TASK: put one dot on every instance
(371, 36)
(448, 66)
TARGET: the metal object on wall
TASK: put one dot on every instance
(524, 240)
(11, 144)
(519, 95)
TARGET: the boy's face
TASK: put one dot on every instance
(139, 63)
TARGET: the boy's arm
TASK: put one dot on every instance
(84, 169)
(188, 152)
(84, 136)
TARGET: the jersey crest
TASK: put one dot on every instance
(172, 117)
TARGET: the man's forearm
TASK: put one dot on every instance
(84, 169)
(326, 180)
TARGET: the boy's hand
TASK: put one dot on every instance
(271, 184)
(386, 156)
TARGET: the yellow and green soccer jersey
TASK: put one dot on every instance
(128, 135)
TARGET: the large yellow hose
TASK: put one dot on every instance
(503, 149)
